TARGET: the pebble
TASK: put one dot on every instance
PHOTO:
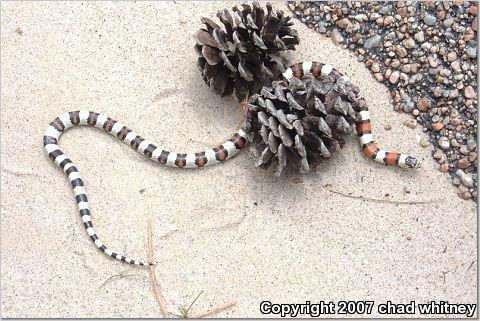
(437, 126)
(432, 60)
(456, 66)
(388, 20)
(452, 56)
(372, 42)
(409, 43)
(471, 144)
(374, 16)
(343, 23)
(394, 77)
(321, 27)
(448, 22)
(430, 20)
(470, 92)
(420, 36)
(438, 155)
(466, 179)
(424, 143)
(375, 67)
(464, 193)
(463, 163)
(423, 104)
(444, 143)
(471, 52)
(410, 123)
(337, 37)
(378, 76)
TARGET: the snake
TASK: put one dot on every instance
(204, 158)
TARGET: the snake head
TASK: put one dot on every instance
(412, 162)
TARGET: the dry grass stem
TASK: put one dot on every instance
(151, 271)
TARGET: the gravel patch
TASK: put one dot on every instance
(426, 54)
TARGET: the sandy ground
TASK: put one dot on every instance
(135, 62)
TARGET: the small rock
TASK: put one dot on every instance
(378, 76)
(408, 106)
(471, 52)
(472, 157)
(372, 42)
(437, 126)
(424, 142)
(423, 104)
(464, 150)
(444, 143)
(448, 22)
(454, 143)
(463, 163)
(388, 20)
(409, 43)
(401, 52)
(471, 144)
(452, 56)
(456, 181)
(432, 61)
(456, 121)
(360, 17)
(464, 193)
(466, 179)
(438, 154)
(402, 11)
(343, 23)
(394, 77)
(410, 123)
(419, 36)
(337, 37)
(430, 20)
(470, 92)
(444, 168)
(456, 66)
(321, 27)
(374, 16)
(473, 10)
(387, 127)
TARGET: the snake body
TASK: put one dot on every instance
(187, 160)
(181, 160)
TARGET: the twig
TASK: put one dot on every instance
(214, 311)
(376, 200)
(470, 266)
(151, 271)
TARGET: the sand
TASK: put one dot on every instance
(231, 231)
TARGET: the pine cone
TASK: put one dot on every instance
(301, 122)
(245, 55)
